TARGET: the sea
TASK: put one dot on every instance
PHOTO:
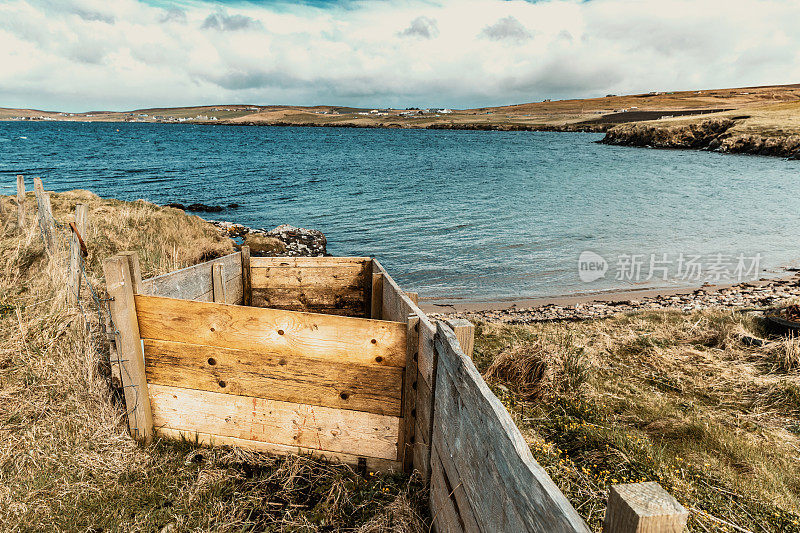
(479, 216)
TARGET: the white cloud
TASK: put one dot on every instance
(81, 54)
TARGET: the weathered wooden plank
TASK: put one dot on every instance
(218, 283)
(463, 508)
(290, 333)
(377, 297)
(373, 464)
(331, 278)
(643, 508)
(372, 389)
(405, 443)
(286, 423)
(262, 262)
(305, 298)
(422, 456)
(194, 282)
(423, 400)
(397, 306)
(465, 333)
(489, 451)
(443, 506)
(120, 286)
(247, 278)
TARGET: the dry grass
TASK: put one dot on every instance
(66, 461)
(704, 403)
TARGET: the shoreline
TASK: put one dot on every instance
(759, 294)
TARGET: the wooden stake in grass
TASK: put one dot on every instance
(465, 333)
(45, 215)
(76, 249)
(121, 284)
(21, 200)
(643, 508)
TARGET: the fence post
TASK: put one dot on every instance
(376, 308)
(75, 251)
(247, 283)
(121, 288)
(465, 333)
(21, 200)
(45, 215)
(220, 294)
(643, 508)
(407, 437)
(414, 297)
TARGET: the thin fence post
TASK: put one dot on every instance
(407, 437)
(247, 283)
(21, 200)
(643, 508)
(414, 297)
(121, 289)
(465, 333)
(376, 307)
(218, 283)
(45, 215)
(75, 251)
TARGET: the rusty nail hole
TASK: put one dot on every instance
(282, 362)
(280, 332)
(414, 412)
(416, 326)
(212, 329)
(414, 385)
(379, 359)
(416, 356)
(222, 384)
(212, 361)
(344, 396)
(374, 341)
(412, 439)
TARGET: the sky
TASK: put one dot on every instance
(79, 55)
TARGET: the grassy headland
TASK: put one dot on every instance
(704, 403)
(66, 460)
(763, 120)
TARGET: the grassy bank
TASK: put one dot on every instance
(66, 461)
(702, 403)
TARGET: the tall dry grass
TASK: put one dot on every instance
(66, 460)
(706, 403)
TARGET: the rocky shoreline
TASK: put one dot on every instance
(283, 240)
(712, 134)
(582, 127)
(751, 296)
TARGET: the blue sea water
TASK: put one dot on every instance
(451, 214)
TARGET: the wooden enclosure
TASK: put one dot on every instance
(328, 356)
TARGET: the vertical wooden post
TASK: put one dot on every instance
(81, 216)
(247, 283)
(465, 333)
(405, 443)
(121, 290)
(218, 283)
(376, 311)
(21, 200)
(413, 296)
(45, 215)
(643, 508)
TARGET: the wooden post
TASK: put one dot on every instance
(81, 216)
(414, 297)
(121, 285)
(218, 283)
(247, 284)
(45, 215)
(405, 443)
(643, 508)
(21, 200)
(465, 333)
(376, 312)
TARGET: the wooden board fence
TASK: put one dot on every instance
(331, 285)
(487, 477)
(197, 282)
